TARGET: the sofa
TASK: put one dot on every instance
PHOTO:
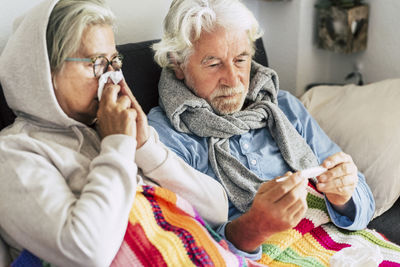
(142, 75)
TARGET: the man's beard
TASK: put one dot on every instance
(223, 105)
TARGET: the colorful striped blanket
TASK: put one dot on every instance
(165, 230)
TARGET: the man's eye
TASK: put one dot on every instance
(213, 65)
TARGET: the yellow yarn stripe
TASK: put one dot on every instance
(309, 246)
(174, 217)
(283, 239)
(167, 243)
(304, 246)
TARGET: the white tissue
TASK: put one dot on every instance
(357, 256)
(115, 76)
(312, 172)
(307, 173)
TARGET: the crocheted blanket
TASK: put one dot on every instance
(165, 230)
(315, 240)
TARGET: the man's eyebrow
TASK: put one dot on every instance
(245, 53)
(208, 58)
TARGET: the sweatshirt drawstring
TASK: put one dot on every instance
(79, 135)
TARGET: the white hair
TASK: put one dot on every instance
(186, 19)
(67, 22)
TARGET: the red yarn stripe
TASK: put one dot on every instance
(145, 251)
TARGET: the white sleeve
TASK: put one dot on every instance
(164, 167)
(41, 213)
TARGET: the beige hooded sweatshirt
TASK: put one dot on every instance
(65, 193)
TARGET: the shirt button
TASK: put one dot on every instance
(246, 146)
(253, 162)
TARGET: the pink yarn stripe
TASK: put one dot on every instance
(125, 257)
(326, 241)
(389, 264)
(304, 226)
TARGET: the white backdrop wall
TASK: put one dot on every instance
(289, 37)
(138, 20)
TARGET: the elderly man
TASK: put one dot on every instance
(224, 115)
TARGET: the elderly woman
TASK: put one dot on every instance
(69, 163)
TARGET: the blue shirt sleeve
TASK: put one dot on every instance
(361, 210)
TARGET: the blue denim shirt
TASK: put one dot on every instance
(258, 151)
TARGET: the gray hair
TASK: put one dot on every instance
(67, 22)
(186, 19)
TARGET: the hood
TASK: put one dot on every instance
(25, 70)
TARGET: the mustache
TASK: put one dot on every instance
(228, 91)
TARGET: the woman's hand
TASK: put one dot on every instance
(115, 114)
(142, 128)
(341, 179)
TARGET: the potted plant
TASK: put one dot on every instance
(342, 25)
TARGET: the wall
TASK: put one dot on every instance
(381, 60)
(290, 40)
(136, 21)
(289, 37)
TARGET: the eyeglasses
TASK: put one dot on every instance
(101, 63)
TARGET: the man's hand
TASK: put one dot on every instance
(277, 206)
(115, 114)
(341, 179)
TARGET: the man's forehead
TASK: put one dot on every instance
(222, 43)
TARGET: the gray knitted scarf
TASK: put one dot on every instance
(193, 115)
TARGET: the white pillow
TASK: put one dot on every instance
(365, 122)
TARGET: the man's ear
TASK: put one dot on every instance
(179, 72)
(180, 75)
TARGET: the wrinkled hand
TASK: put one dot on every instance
(341, 179)
(120, 113)
(142, 128)
(277, 206)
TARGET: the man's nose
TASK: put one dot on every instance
(230, 76)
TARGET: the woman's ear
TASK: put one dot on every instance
(53, 80)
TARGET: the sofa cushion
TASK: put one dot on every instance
(365, 122)
(141, 72)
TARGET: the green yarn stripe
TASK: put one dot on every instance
(315, 202)
(289, 256)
